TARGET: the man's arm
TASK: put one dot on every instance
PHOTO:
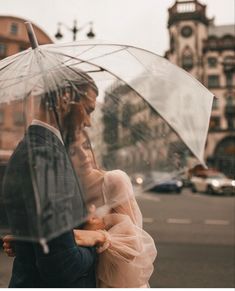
(66, 262)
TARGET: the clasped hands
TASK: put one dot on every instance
(91, 234)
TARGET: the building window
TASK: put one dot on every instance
(214, 123)
(187, 59)
(18, 118)
(14, 28)
(229, 112)
(231, 122)
(172, 43)
(212, 42)
(1, 117)
(187, 62)
(215, 104)
(2, 50)
(230, 101)
(229, 64)
(186, 7)
(213, 81)
(212, 62)
(22, 48)
(229, 79)
(228, 41)
(186, 31)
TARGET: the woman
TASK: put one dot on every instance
(126, 251)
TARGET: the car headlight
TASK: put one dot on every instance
(139, 180)
(233, 183)
(215, 183)
(179, 183)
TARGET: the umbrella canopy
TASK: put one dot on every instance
(150, 115)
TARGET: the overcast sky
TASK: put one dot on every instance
(137, 22)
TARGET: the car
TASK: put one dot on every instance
(212, 182)
(163, 182)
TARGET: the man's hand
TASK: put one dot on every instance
(88, 238)
(8, 245)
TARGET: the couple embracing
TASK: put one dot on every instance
(110, 249)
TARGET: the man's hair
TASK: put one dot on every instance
(83, 82)
(72, 80)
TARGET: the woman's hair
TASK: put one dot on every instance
(93, 155)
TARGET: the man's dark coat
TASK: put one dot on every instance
(43, 200)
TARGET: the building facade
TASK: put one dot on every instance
(138, 140)
(207, 52)
(13, 39)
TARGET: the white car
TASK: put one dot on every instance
(213, 183)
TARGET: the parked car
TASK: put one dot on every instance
(163, 182)
(213, 183)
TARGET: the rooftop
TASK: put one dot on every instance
(221, 30)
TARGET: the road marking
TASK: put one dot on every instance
(179, 220)
(148, 197)
(148, 219)
(216, 222)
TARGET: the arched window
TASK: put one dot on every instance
(212, 62)
(187, 59)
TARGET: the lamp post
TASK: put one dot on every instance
(75, 29)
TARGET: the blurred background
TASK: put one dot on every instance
(190, 217)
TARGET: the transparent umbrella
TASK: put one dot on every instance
(150, 116)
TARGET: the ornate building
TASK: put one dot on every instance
(207, 52)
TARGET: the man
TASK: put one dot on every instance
(41, 165)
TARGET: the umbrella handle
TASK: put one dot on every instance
(32, 37)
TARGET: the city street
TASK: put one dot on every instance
(194, 235)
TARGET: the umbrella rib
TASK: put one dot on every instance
(95, 58)
(88, 49)
(13, 60)
(135, 57)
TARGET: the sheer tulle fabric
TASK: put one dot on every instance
(128, 260)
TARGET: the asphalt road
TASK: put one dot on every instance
(195, 238)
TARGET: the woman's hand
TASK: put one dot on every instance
(88, 238)
(8, 245)
(94, 222)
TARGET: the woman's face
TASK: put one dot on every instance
(81, 154)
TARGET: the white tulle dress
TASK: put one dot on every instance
(126, 259)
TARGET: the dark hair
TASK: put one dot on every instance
(83, 82)
(76, 82)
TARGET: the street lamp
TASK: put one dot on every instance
(75, 30)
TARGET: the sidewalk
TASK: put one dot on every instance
(5, 269)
